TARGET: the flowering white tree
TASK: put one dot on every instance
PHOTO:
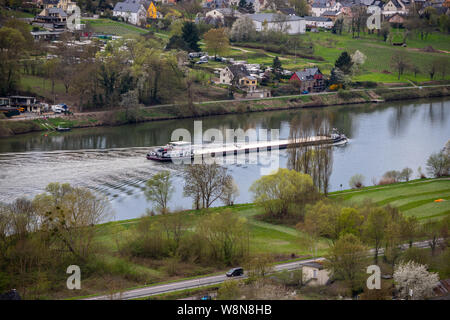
(358, 59)
(413, 281)
(243, 29)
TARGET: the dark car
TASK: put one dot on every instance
(235, 272)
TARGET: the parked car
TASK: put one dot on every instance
(201, 62)
(235, 272)
(305, 92)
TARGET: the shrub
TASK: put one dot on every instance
(385, 181)
(356, 181)
(284, 193)
(347, 95)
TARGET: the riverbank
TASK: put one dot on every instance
(283, 243)
(212, 108)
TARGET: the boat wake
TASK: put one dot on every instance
(113, 172)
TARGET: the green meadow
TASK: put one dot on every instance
(414, 198)
(377, 66)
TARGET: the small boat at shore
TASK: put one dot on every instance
(62, 129)
(180, 150)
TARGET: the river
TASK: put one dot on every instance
(111, 160)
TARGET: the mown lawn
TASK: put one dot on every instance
(112, 27)
(414, 198)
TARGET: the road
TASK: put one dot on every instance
(211, 280)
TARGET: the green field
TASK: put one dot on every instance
(414, 198)
(111, 27)
(377, 66)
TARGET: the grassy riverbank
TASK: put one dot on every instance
(156, 113)
(282, 242)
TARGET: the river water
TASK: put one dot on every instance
(111, 160)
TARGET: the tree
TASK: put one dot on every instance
(243, 29)
(344, 62)
(406, 174)
(374, 229)
(12, 45)
(338, 26)
(226, 236)
(438, 164)
(346, 261)
(358, 59)
(277, 68)
(69, 214)
(417, 255)
(413, 281)
(358, 19)
(229, 290)
(175, 228)
(301, 7)
(433, 230)
(177, 42)
(230, 192)
(409, 229)
(159, 189)
(339, 77)
(205, 183)
(217, 41)
(259, 266)
(286, 189)
(400, 63)
(433, 67)
(356, 181)
(190, 35)
(385, 30)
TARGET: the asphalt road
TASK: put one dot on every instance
(211, 280)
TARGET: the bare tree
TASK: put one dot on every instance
(400, 63)
(230, 192)
(205, 183)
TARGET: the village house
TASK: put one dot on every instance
(314, 274)
(215, 4)
(44, 4)
(131, 11)
(278, 22)
(27, 103)
(51, 18)
(218, 15)
(333, 15)
(287, 11)
(232, 75)
(152, 12)
(394, 6)
(67, 5)
(249, 83)
(319, 7)
(309, 79)
(319, 22)
(396, 19)
(238, 76)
